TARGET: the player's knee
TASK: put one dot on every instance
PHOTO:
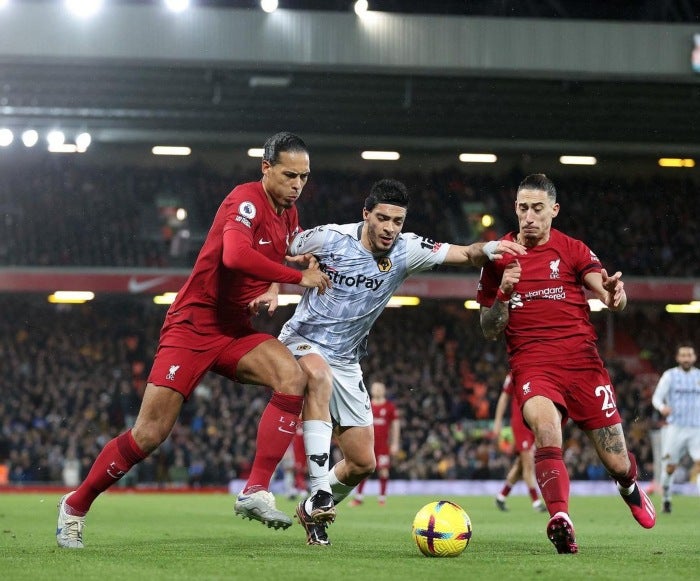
(148, 436)
(319, 384)
(320, 377)
(547, 434)
(292, 381)
(369, 467)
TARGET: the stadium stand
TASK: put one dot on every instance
(99, 216)
(74, 374)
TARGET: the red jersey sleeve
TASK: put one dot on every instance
(585, 260)
(238, 254)
(248, 220)
(489, 281)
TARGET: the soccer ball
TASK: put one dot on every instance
(442, 529)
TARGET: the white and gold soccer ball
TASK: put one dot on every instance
(442, 529)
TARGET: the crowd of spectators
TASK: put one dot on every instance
(64, 215)
(73, 376)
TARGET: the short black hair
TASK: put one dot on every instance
(281, 142)
(539, 181)
(684, 345)
(387, 191)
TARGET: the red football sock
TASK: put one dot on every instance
(553, 479)
(383, 483)
(628, 479)
(361, 486)
(505, 491)
(533, 494)
(114, 460)
(276, 429)
(300, 478)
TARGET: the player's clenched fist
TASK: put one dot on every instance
(511, 276)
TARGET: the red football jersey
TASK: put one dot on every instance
(384, 414)
(549, 313)
(247, 210)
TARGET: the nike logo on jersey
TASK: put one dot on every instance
(263, 242)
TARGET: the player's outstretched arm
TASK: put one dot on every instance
(479, 253)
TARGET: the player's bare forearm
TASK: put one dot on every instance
(494, 320)
(477, 256)
(610, 289)
(479, 253)
(472, 255)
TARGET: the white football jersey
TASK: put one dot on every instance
(680, 390)
(339, 321)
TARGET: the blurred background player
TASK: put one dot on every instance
(294, 466)
(387, 439)
(677, 397)
(523, 445)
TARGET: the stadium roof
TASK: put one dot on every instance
(126, 101)
(121, 100)
(626, 10)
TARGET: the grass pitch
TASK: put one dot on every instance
(174, 537)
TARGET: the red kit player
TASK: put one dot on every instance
(208, 328)
(387, 436)
(538, 302)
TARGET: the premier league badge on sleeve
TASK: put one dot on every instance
(247, 210)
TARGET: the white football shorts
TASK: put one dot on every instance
(677, 440)
(350, 402)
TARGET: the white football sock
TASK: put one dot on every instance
(340, 490)
(317, 442)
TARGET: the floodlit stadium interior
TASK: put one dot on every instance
(459, 100)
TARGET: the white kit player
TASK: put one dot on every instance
(677, 397)
(366, 262)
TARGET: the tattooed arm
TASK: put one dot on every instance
(495, 318)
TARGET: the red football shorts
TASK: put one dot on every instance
(188, 350)
(523, 438)
(581, 390)
(383, 460)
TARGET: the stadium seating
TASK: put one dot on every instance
(73, 376)
(120, 216)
